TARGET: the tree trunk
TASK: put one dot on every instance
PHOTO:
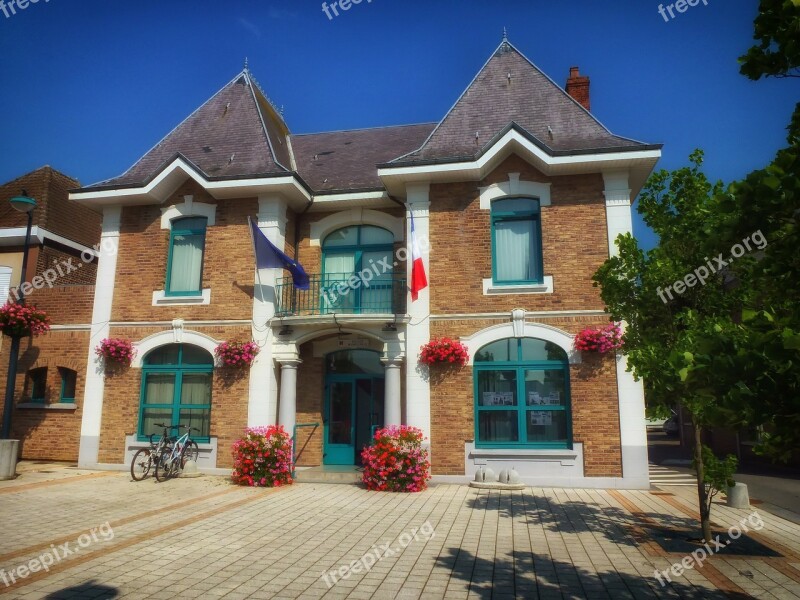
(702, 496)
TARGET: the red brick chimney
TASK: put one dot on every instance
(578, 87)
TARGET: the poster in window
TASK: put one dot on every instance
(534, 398)
(498, 398)
(541, 418)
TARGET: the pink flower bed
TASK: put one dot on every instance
(116, 350)
(237, 354)
(20, 320)
(444, 350)
(396, 461)
(263, 457)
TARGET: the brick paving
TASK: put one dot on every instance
(204, 538)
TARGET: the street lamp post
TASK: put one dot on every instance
(23, 204)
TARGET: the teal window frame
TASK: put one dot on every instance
(527, 215)
(38, 395)
(178, 369)
(522, 408)
(175, 231)
(358, 249)
(65, 374)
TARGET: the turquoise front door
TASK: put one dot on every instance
(353, 411)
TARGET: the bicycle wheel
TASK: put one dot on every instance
(141, 464)
(190, 452)
(164, 468)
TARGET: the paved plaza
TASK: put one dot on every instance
(99, 535)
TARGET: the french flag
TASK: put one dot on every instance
(419, 281)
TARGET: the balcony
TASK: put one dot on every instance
(330, 294)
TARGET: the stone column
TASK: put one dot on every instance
(287, 411)
(393, 411)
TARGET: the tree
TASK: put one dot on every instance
(777, 29)
(672, 296)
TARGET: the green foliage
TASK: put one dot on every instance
(777, 31)
(718, 474)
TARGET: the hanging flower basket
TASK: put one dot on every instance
(444, 351)
(116, 351)
(237, 354)
(599, 339)
(21, 320)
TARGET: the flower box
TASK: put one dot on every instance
(599, 339)
(21, 320)
(444, 351)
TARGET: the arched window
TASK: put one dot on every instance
(69, 380)
(346, 254)
(187, 241)
(37, 384)
(176, 388)
(516, 242)
(522, 395)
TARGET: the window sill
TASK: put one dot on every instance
(561, 454)
(160, 298)
(492, 289)
(43, 406)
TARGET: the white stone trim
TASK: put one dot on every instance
(188, 208)
(52, 406)
(536, 314)
(418, 331)
(515, 188)
(94, 387)
(492, 289)
(548, 333)
(163, 338)
(618, 207)
(160, 298)
(356, 216)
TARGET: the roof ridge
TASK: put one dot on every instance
(250, 80)
(358, 129)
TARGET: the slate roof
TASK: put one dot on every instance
(508, 90)
(345, 160)
(239, 133)
(234, 134)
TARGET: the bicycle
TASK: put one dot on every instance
(183, 450)
(145, 458)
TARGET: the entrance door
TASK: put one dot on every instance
(353, 411)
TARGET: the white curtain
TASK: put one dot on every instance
(196, 388)
(187, 263)
(338, 268)
(515, 250)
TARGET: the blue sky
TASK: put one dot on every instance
(89, 86)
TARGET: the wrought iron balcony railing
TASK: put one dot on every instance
(341, 293)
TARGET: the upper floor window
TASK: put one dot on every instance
(516, 242)
(349, 252)
(185, 263)
(37, 379)
(69, 380)
(522, 395)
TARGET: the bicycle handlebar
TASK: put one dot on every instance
(178, 426)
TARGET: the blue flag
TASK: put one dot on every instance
(269, 257)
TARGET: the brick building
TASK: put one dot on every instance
(517, 195)
(51, 368)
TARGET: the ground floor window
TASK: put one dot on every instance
(522, 395)
(176, 388)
